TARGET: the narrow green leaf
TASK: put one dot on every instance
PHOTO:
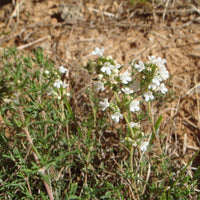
(157, 124)
(3, 141)
(52, 162)
(45, 177)
(73, 189)
(68, 108)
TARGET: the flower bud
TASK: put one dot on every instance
(67, 94)
(149, 69)
(100, 63)
(46, 72)
(109, 58)
(115, 71)
(100, 76)
(93, 64)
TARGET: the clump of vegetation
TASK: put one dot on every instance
(114, 151)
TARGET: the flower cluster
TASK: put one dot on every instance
(59, 84)
(111, 75)
(122, 82)
(153, 75)
(161, 74)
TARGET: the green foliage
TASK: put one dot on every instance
(78, 159)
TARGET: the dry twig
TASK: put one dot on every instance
(108, 14)
(165, 10)
(32, 43)
(15, 13)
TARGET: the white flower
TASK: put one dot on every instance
(125, 77)
(148, 96)
(98, 51)
(159, 62)
(64, 85)
(117, 66)
(164, 74)
(134, 106)
(133, 124)
(116, 116)
(162, 88)
(156, 80)
(140, 67)
(107, 68)
(104, 104)
(143, 146)
(153, 86)
(99, 86)
(127, 90)
(58, 83)
(62, 70)
(152, 59)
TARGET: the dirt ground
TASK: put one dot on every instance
(68, 31)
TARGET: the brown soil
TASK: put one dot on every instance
(170, 29)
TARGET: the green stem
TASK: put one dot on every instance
(131, 148)
(93, 108)
(131, 155)
(132, 136)
(118, 100)
(127, 121)
(62, 105)
(153, 127)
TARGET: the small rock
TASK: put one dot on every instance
(70, 13)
